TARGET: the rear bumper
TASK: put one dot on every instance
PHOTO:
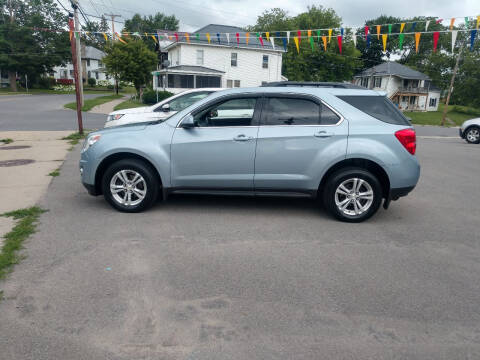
(397, 193)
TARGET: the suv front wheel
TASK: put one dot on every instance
(472, 135)
(352, 194)
(130, 185)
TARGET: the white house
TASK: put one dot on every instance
(92, 66)
(221, 63)
(410, 90)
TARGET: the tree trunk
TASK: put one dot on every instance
(12, 77)
(116, 86)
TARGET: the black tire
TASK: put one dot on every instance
(470, 137)
(349, 174)
(150, 179)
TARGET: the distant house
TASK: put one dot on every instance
(92, 66)
(410, 90)
(221, 63)
(4, 81)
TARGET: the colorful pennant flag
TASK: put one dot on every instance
(472, 38)
(71, 35)
(296, 43)
(261, 40)
(197, 36)
(267, 34)
(452, 22)
(228, 38)
(402, 26)
(309, 33)
(330, 35)
(339, 41)
(401, 37)
(384, 40)
(366, 31)
(176, 37)
(299, 35)
(120, 38)
(187, 36)
(324, 38)
(417, 40)
(368, 41)
(354, 38)
(414, 25)
(438, 21)
(378, 31)
(272, 40)
(247, 37)
(454, 38)
(318, 35)
(238, 38)
(426, 25)
(436, 35)
(284, 41)
(105, 36)
(341, 32)
(389, 28)
(154, 39)
(218, 37)
(478, 21)
(311, 43)
(288, 37)
(467, 22)
(208, 37)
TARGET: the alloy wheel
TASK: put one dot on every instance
(354, 196)
(473, 135)
(128, 187)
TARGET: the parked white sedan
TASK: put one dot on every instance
(159, 111)
(470, 131)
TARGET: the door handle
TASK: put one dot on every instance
(242, 137)
(323, 134)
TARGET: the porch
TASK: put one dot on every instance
(409, 100)
(183, 77)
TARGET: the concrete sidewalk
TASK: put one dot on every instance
(107, 107)
(22, 186)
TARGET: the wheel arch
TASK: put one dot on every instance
(110, 159)
(366, 164)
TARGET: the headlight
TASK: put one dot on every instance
(92, 139)
(114, 117)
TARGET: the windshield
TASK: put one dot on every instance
(186, 100)
(379, 107)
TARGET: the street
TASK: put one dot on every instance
(44, 112)
(258, 278)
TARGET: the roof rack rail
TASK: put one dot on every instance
(337, 85)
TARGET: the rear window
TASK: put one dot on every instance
(379, 107)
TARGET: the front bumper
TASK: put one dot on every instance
(460, 132)
(91, 189)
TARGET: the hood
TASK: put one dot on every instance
(137, 110)
(475, 121)
(123, 128)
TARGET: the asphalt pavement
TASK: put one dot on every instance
(44, 112)
(245, 278)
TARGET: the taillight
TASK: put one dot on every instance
(408, 138)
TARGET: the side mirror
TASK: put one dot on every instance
(166, 108)
(187, 122)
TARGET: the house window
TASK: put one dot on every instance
(413, 100)
(71, 73)
(96, 75)
(63, 74)
(433, 102)
(88, 62)
(233, 60)
(237, 83)
(365, 82)
(265, 62)
(100, 64)
(208, 81)
(404, 98)
(89, 74)
(180, 81)
(199, 57)
(229, 83)
(378, 82)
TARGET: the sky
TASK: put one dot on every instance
(194, 14)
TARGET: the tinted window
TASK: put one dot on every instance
(377, 106)
(290, 111)
(234, 112)
(328, 116)
(207, 81)
(185, 101)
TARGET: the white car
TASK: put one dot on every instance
(470, 131)
(159, 111)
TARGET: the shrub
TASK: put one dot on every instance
(46, 82)
(103, 83)
(466, 110)
(64, 88)
(65, 81)
(150, 96)
(110, 87)
(92, 82)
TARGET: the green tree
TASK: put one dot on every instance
(132, 62)
(25, 51)
(150, 24)
(94, 38)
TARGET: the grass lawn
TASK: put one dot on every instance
(90, 103)
(131, 103)
(458, 114)
(86, 90)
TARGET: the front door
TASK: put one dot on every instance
(219, 152)
(297, 137)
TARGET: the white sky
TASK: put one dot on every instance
(194, 14)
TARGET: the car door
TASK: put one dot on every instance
(219, 151)
(298, 136)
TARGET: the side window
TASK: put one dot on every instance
(185, 101)
(328, 116)
(291, 111)
(233, 112)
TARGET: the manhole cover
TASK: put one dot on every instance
(17, 162)
(14, 147)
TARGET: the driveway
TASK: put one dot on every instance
(241, 278)
(44, 112)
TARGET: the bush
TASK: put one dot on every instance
(92, 82)
(466, 110)
(67, 88)
(65, 81)
(46, 82)
(103, 83)
(110, 87)
(150, 96)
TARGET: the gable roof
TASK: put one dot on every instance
(195, 69)
(91, 52)
(222, 30)
(393, 68)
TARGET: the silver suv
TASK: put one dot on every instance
(350, 148)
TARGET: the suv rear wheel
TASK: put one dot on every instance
(352, 194)
(472, 135)
(130, 185)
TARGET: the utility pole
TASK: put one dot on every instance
(452, 81)
(12, 75)
(75, 72)
(78, 47)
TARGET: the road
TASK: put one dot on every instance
(241, 278)
(43, 112)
